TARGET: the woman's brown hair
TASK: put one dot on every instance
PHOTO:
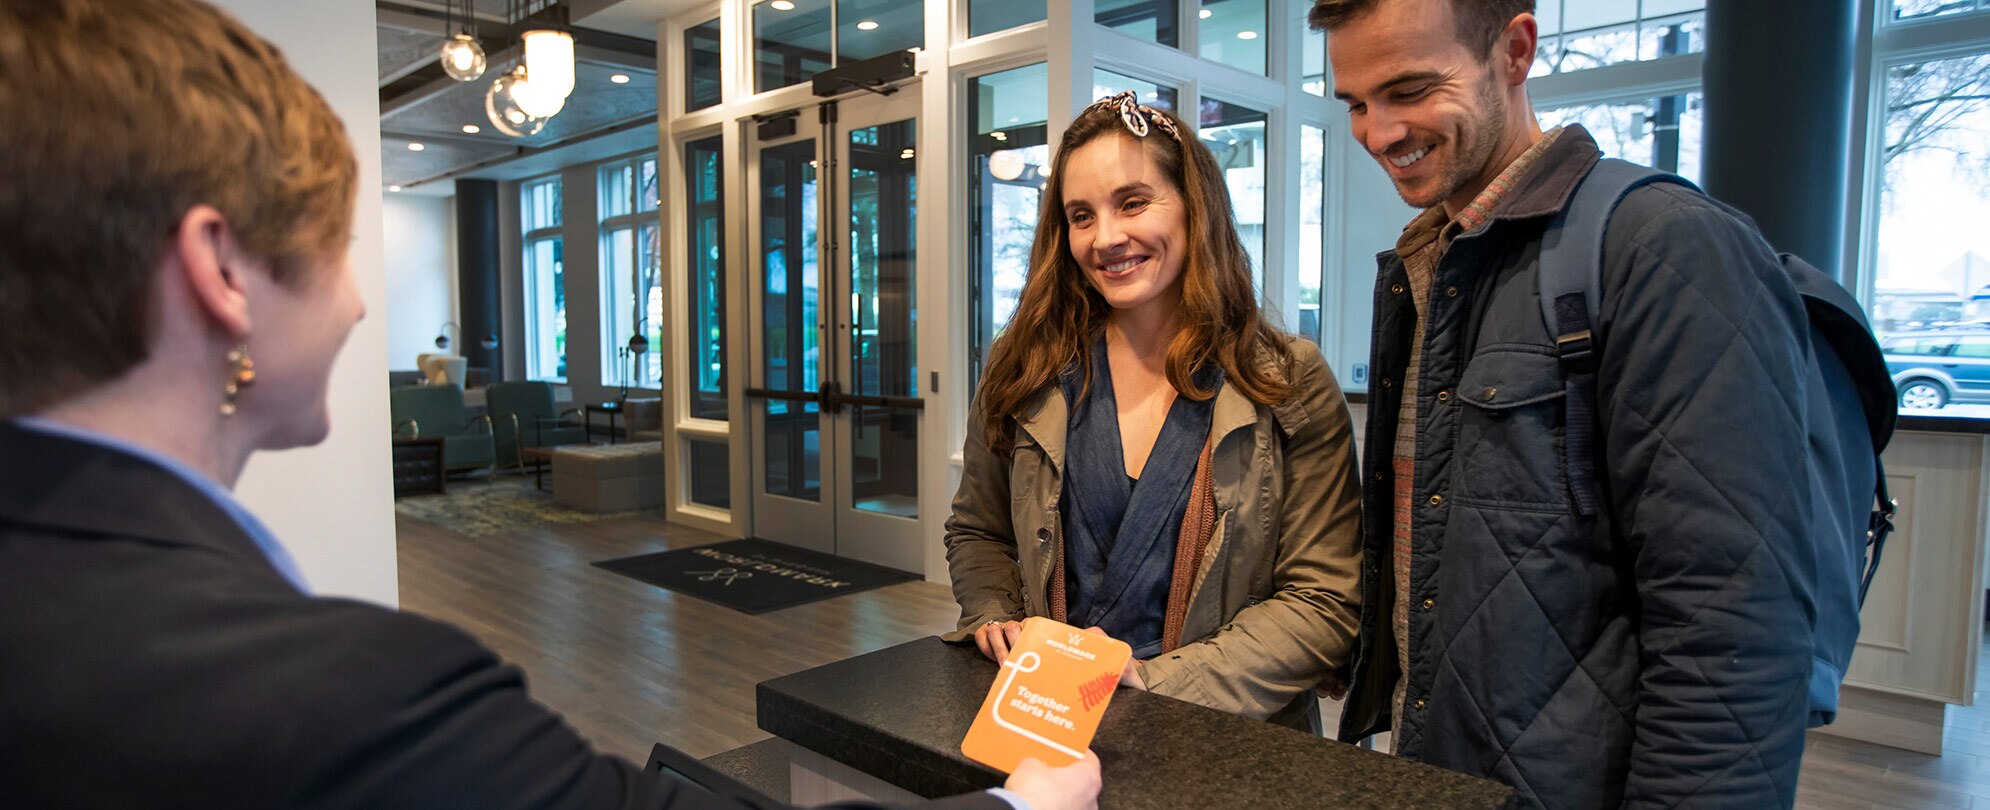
(1060, 314)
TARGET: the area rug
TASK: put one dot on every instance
(754, 575)
(476, 508)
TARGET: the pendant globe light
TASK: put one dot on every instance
(462, 56)
(507, 107)
(549, 54)
(518, 105)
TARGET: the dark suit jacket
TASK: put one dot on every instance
(151, 656)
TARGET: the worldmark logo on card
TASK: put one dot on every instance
(1048, 697)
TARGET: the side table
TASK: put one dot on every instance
(614, 411)
(419, 467)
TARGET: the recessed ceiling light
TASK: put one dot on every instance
(867, 25)
(1247, 35)
(416, 146)
(471, 129)
(619, 78)
(782, 5)
(1000, 136)
(906, 155)
(1206, 14)
(393, 188)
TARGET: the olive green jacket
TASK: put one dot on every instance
(1276, 599)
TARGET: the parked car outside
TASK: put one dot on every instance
(1935, 368)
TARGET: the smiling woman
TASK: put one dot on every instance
(1139, 414)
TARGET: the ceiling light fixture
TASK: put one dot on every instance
(782, 5)
(1206, 14)
(395, 189)
(416, 146)
(536, 88)
(1247, 35)
(619, 78)
(462, 56)
(549, 60)
(1000, 136)
(471, 129)
(867, 25)
(907, 154)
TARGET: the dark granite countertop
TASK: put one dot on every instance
(762, 766)
(899, 714)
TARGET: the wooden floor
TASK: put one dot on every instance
(628, 663)
(631, 664)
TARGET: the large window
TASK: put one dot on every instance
(791, 42)
(990, 16)
(704, 75)
(871, 28)
(1930, 300)
(1152, 94)
(1312, 227)
(1664, 133)
(1150, 20)
(1233, 33)
(704, 176)
(795, 39)
(545, 281)
(1582, 34)
(1925, 9)
(631, 273)
(1008, 153)
(1237, 136)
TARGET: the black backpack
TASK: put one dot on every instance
(1852, 411)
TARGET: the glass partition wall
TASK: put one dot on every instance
(886, 238)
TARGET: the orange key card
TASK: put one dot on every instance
(1048, 697)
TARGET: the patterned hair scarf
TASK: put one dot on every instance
(1136, 115)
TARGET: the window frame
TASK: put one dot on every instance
(614, 338)
(529, 240)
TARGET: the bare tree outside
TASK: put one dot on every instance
(1935, 106)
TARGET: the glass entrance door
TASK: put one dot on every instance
(835, 409)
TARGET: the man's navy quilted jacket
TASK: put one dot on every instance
(1656, 656)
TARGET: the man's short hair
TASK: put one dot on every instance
(1479, 21)
(122, 116)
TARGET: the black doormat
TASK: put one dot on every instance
(754, 575)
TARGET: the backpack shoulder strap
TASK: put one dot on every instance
(1571, 291)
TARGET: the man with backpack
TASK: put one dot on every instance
(1618, 477)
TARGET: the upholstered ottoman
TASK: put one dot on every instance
(609, 478)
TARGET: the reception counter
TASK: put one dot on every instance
(888, 726)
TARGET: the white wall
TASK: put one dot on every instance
(420, 237)
(333, 504)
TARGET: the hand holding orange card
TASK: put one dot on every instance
(1048, 698)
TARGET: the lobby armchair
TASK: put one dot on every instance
(643, 418)
(525, 416)
(436, 411)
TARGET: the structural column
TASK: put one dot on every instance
(477, 273)
(1778, 86)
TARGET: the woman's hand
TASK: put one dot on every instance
(996, 638)
(1129, 677)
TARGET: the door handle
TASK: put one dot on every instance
(831, 396)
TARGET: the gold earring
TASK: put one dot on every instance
(242, 376)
